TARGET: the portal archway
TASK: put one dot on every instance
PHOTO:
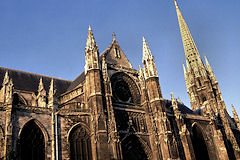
(133, 149)
(199, 145)
(80, 144)
(31, 142)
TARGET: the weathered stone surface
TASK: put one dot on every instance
(112, 111)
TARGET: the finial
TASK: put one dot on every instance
(89, 28)
(172, 96)
(178, 99)
(144, 39)
(114, 36)
(206, 60)
(139, 66)
(175, 3)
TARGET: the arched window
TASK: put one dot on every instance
(32, 145)
(199, 145)
(124, 89)
(80, 144)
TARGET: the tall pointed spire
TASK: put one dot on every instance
(191, 52)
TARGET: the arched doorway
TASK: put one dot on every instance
(80, 144)
(199, 145)
(132, 149)
(31, 143)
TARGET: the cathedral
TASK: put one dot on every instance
(112, 111)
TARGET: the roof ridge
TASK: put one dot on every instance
(35, 74)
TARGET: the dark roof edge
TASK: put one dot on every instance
(35, 74)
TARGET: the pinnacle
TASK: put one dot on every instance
(146, 51)
(184, 69)
(206, 60)
(144, 39)
(172, 96)
(233, 109)
(90, 39)
(114, 36)
(176, 3)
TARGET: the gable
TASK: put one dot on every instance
(114, 55)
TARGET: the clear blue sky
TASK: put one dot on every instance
(49, 37)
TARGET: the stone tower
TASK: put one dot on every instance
(202, 85)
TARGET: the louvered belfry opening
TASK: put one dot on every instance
(80, 144)
(32, 144)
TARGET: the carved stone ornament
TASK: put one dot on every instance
(41, 97)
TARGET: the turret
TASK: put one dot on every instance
(150, 73)
(148, 62)
(91, 53)
(94, 97)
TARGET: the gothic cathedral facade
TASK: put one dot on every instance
(112, 111)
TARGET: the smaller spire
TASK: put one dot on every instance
(146, 51)
(9, 91)
(90, 40)
(51, 88)
(40, 86)
(174, 103)
(6, 78)
(236, 118)
(209, 68)
(178, 99)
(51, 94)
(41, 97)
(172, 97)
(184, 69)
(206, 60)
(114, 36)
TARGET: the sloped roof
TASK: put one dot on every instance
(77, 81)
(181, 107)
(29, 81)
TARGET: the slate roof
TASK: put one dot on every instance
(182, 108)
(77, 81)
(29, 81)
